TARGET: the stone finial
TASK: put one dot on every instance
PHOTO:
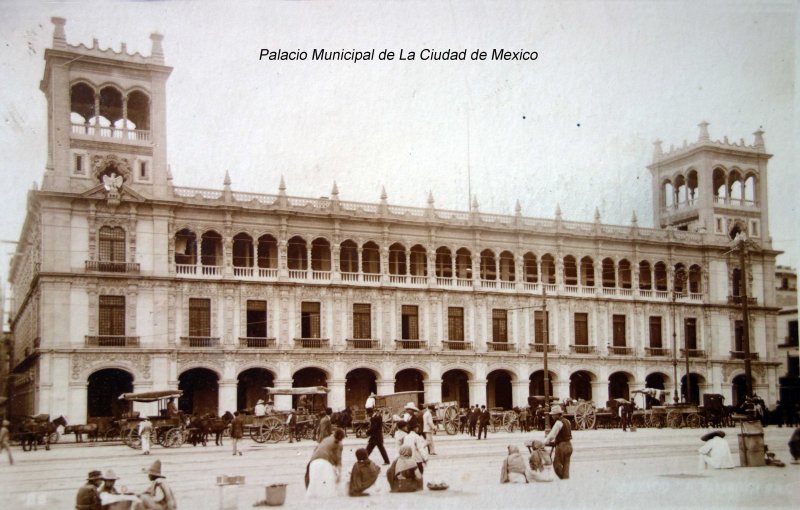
(59, 35)
(430, 199)
(35, 186)
(384, 196)
(596, 215)
(169, 173)
(759, 139)
(227, 181)
(634, 220)
(518, 208)
(657, 150)
(474, 203)
(157, 51)
(558, 211)
(703, 136)
(335, 191)
(123, 48)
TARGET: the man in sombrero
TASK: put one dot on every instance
(715, 453)
(158, 496)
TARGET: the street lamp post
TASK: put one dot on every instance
(680, 278)
(742, 242)
(544, 361)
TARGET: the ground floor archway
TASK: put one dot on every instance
(359, 383)
(200, 388)
(305, 377)
(250, 387)
(580, 385)
(103, 390)
(455, 387)
(657, 381)
(499, 391)
(410, 379)
(695, 380)
(619, 385)
(536, 383)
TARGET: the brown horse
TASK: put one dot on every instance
(89, 429)
(38, 430)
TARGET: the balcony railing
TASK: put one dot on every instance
(620, 350)
(112, 341)
(256, 342)
(320, 275)
(582, 349)
(737, 300)
(539, 347)
(311, 343)
(112, 267)
(371, 277)
(455, 345)
(694, 353)
(488, 284)
(363, 343)
(657, 351)
(298, 274)
(199, 341)
(122, 134)
(740, 355)
(501, 347)
(411, 344)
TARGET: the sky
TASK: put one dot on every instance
(573, 129)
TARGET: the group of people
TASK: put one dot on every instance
(540, 467)
(475, 421)
(100, 492)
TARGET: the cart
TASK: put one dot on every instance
(652, 413)
(391, 407)
(275, 426)
(168, 431)
(446, 415)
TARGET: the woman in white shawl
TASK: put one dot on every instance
(324, 470)
(541, 465)
(513, 470)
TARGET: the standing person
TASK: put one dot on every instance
(483, 421)
(523, 420)
(260, 411)
(325, 426)
(88, 498)
(429, 427)
(375, 432)
(418, 446)
(715, 453)
(473, 419)
(363, 475)
(410, 415)
(400, 434)
(370, 404)
(462, 420)
(145, 428)
(291, 424)
(624, 410)
(560, 436)
(5, 441)
(237, 432)
(159, 495)
(323, 471)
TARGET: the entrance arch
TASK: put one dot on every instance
(310, 376)
(251, 386)
(696, 380)
(738, 389)
(200, 388)
(580, 385)
(618, 385)
(103, 390)
(357, 387)
(498, 389)
(658, 381)
(455, 387)
(410, 379)
(536, 384)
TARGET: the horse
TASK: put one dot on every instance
(40, 430)
(217, 426)
(89, 429)
(342, 419)
(198, 430)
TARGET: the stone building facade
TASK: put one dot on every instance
(124, 281)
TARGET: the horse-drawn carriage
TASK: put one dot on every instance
(32, 431)
(393, 405)
(169, 430)
(307, 403)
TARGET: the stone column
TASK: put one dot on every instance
(477, 392)
(561, 388)
(227, 396)
(336, 397)
(433, 390)
(385, 386)
(282, 402)
(519, 396)
(600, 393)
(336, 253)
(308, 260)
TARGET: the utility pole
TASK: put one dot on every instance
(741, 244)
(544, 360)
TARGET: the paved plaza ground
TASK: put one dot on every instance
(610, 469)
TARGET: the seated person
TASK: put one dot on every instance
(364, 474)
(715, 453)
(513, 470)
(540, 464)
(403, 474)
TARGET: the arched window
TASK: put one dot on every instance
(242, 250)
(587, 272)
(211, 249)
(548, 269)
(320, 255)
(463, 263)
(81, 104)
(668, 197)
(418, 260)
(691, 185)
(570, 271)
(138, 110)
(750, 189)
(488, 267)
(625, 277)
(186, 247)
(370, 258)
(680, 277)
(267, 252)
(695, 279)
(507, 270)
(609, 273)
(348, 257)
(444, 262)
(530, 268)
(661, 276)
(397, 259)
(720, 183)
(645, 276)
(297, 253)
(110, 106)
(735, 185)
(680, 190)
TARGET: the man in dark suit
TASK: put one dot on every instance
(484, 419)
(473, 420)
(88, 497)
(375, 432)
(325, 427)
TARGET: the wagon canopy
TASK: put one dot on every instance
(309, 390)
(151, 396)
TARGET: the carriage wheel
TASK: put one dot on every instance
(654, 420)
(255, 434)
(133, 440)
(450, 420)
(637, 420)
(388, 428)
(272, 430)
(111, 434)
(509, 420)
(693, 420)
(173, 438)
(585, 416)
(360, 430)
(674, 419)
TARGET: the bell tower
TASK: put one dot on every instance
(710, 186)
(106, 113)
